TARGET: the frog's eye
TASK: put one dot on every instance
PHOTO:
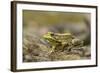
(52, 34)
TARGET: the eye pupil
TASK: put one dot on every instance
(52, 34)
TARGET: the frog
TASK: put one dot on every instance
(59, 41)
(50, 38)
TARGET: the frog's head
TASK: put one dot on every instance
(48, 36)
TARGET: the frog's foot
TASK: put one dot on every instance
(52, 49)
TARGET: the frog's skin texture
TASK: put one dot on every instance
(61, 42)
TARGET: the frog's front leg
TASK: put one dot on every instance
(53, 48)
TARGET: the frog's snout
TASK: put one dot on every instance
(44, 36)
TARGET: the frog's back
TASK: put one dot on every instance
(64, 37)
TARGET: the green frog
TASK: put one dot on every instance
(61, 41)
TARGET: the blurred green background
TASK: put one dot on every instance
(38, 23)
(52, 17)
